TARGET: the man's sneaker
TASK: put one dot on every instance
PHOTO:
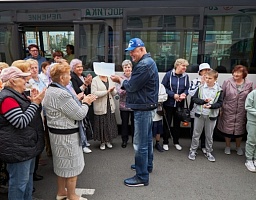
(250, 166)
(87, 150)
(192, 155)
(158, 147)
(109, 145)
(239, 151)
(102, 146)
(178, 147)
(166, 147)
(203, 150)
(135, 182)
(210, 157)
(227, 150)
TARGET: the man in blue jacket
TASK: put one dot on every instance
(142, 97)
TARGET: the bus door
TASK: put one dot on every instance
(92, 42)
(49, 38)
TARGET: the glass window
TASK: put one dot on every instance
(240, 26)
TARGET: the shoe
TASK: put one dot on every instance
(134, 182)
(192, 155)
(227, 150)
(178, 147)
(239, 151)
(87, 150)
(133, 167)
(124, 144)
(102, 146)
(158, 147)
(109, 145)
(166, 147)
(37, 177)
(254, 162)
(210, 157)
(250, 166)
(60, 197)
(87, 144)
(203, 150)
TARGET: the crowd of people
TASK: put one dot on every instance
(48, 105)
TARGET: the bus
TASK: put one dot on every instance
(221, 33)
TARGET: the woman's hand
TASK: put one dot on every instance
(182, 96)
(80, 96)
(88, 99)
(36, 96)
(88, 79)
(111, 89)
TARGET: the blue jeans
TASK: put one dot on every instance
(21, 180)
(142, 143)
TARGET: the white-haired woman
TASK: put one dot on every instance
(80, 83)
(176, 83)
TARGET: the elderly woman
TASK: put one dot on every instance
(176, 83)
(79, 82)
(21, 132)
(125, 113)
(105, 127)
(64, 113)
(232, 119)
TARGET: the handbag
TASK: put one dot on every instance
(183, 113)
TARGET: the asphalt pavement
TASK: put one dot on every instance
(174, 176)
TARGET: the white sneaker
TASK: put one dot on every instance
(210, 157)
(166, 147)
(109, 145)
(102, 146)
(239, 151)
(87, 150)
(192, 155)
(227, 150)
(87, 144)
(178, 147)
(250, 166)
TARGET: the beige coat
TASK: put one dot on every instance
(98, 88)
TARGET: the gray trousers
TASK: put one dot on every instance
(250, 146)
(200, 123)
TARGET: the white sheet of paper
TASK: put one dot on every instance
(104, 69)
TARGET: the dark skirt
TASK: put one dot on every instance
(105, 126)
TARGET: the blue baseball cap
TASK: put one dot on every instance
(134, 43)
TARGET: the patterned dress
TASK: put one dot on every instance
(105, 126)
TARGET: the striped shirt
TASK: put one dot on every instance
(14, 114)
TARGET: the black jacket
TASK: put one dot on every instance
(18, 145)
(77, 83)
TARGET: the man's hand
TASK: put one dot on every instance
(116, 78)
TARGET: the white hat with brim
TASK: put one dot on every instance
(203, 66)
(12, 72)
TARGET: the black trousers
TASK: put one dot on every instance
(170, 113)
(127, 116)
